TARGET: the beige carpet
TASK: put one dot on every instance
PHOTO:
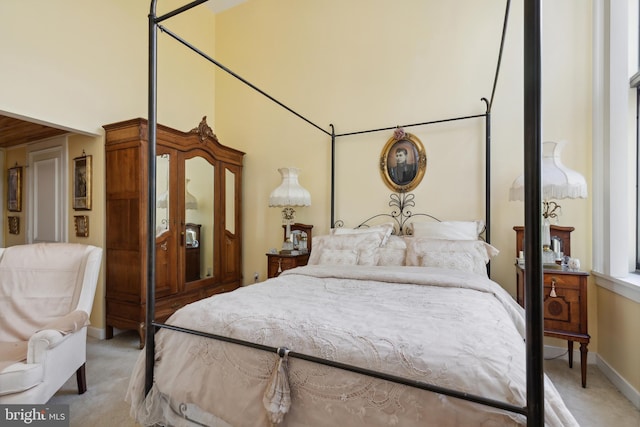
(110, 363)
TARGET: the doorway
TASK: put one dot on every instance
(47, 173)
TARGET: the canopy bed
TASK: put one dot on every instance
(406, 375)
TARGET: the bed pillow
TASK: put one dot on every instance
(338, 257)
(384, 230)
(364, 244)
(449, 230)
(393, 252)
(464, 255)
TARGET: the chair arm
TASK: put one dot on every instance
(54, 333)
(42, 341)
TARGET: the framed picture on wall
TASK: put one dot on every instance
(14, 225)
(82, 183)
(14, 191)
(403, 161)
(82, 225)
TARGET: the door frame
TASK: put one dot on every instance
(58, 147)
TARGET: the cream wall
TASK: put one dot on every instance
(80, 64)
(619, 340)
(364, 65)
(91, 146)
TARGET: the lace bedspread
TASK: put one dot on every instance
(452, 329)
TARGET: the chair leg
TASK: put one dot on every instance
(82, 379)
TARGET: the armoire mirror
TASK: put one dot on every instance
(162, 193)
(199, 210)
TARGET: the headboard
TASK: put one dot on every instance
(401, 214)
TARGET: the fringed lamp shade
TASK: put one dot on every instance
(289, 193)
(558, 182)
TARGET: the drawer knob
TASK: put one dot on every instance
(553, 294)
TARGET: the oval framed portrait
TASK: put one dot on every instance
(403, 162)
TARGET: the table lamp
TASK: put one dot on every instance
(288, 194)
(558, 182)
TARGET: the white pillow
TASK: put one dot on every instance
(338, 257)
(449, 230)
(396, 242)
(393, 252)
(362, 243)
(384, 230)
(465, 255)
(390, 256)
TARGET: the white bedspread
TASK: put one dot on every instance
(452, 329)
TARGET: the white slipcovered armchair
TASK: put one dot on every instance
(46, 295)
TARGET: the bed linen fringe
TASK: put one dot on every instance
(277, 396)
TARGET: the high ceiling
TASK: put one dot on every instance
(15, 131)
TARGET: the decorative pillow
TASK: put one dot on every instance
(449, 230)
(462, 261)
(339, 257)
(465, 255)
(384, 230)
(395, 242)
(391, 256)
(393, 252)
(362, 243)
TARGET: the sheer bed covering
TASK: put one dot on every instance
(449, 328)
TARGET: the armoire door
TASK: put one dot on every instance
(167, 231)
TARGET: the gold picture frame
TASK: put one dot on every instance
(81, 223)
(14, 191)
(82, 183)
(14, 224)
(407, 149)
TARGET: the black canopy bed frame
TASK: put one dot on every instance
(534, 410)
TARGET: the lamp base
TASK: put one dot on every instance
(287, 245)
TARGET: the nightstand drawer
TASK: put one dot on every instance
(562, 305)
(277, 263)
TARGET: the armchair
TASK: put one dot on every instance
(46, 296)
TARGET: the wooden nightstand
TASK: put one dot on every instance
(277, 263)
(565, 300)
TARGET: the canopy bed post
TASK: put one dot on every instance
(151, 213)
(487, 176)
(532, 212)
(489, 104)
(333, 174)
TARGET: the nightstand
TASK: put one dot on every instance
(279, 262)
(565, 300)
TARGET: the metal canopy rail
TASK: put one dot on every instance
(532, 137)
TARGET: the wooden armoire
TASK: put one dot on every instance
(198, 181)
